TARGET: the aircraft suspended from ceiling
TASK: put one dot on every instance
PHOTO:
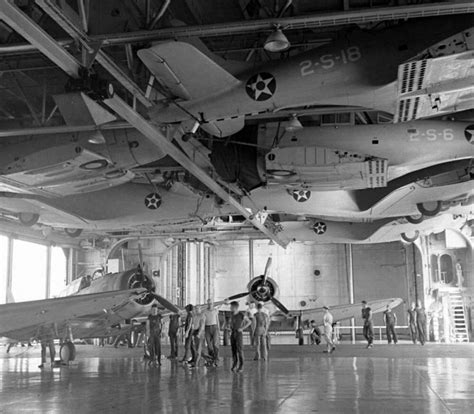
(412, 70)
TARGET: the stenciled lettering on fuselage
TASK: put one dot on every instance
(330, 60)
(431, 134)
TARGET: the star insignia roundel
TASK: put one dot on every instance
(153, 201)
(469, 134)
(261, 86)
(319, 227)
(301, 195)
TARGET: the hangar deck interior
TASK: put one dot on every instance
(433, 379)
(294, 153)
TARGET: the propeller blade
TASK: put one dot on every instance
(238, 296)
(268, 266)
(165, 303)
(280, 306)
(140, 255)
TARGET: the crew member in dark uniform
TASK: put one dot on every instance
(188, 335)
(412, 322)
(314, 333)
(390, 322)
(420, 323)
(368, 324)
(154, 326)
(173, 335)
(46, 335)
(238, 323)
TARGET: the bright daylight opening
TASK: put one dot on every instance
(29, 271)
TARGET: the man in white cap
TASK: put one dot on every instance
(327, 321)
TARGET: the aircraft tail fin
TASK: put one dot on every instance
(184, 71)
(232, 66)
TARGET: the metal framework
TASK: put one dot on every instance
(92, 48)
(38, 38)
(158, 139)
(311, 21)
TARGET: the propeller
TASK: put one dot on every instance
(164, 302)
(140, 256)
(268, 266)
(263, 289)
(280, 305)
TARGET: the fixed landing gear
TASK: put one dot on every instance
(28, 219)
(67, 352)
(415, 219)
(410, 237)
(73, 232)
(429, 209)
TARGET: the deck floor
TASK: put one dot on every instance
(386, 379)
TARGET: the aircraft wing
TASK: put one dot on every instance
(435, 86)
(184, 71)
(21, 320)
(341, 312)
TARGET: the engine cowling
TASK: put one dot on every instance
(262, 292)
(139, 280)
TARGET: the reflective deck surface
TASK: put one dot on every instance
(386, 379)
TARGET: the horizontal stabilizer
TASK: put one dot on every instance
(184, 71)
(78, 109)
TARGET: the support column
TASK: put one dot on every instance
(48, 271)
(415, 276)
(350, 285)
(9, 271)
(70, 265)
(251, 260)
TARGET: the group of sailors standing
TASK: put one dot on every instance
(202, 327)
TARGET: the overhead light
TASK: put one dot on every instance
(294, 124)
(276, 41)
(96, 138)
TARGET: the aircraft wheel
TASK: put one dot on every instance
(67, 352)
(73, 232)
(28, 219)
(429, 212)
(408, 239)
(417, 219)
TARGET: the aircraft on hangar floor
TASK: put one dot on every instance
(112, 304)
(415, 69)
(98, 310)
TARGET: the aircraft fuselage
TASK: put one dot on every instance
(358, 70)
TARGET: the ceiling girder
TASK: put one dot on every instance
(69, 26)
(312, 21)
(38, 38)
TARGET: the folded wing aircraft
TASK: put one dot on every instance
(98, 309)
(264, 289)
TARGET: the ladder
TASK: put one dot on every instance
(458, 316)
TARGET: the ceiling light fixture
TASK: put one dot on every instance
(276, 41)
(294, 124)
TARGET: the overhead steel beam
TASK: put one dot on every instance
(76, 32)
(160, 141)
(64, 129)
(311, 21)
(38, 38)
